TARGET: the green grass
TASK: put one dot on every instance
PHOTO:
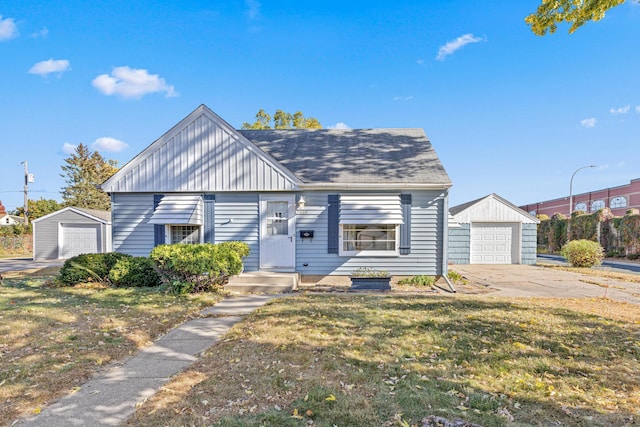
(53, 339)
(371, 360)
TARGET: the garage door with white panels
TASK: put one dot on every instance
(79, 239)
(494, 243)
(491, 230)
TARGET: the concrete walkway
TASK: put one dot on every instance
(110, 398)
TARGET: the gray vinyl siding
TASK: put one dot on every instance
(529, 236)
(132, 234)
(460, 244)
(46, 234)
(427, 215)
(243, 212)
(236, 218)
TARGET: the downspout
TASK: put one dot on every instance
(445, 242)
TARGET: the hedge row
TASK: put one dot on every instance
(182, 268)
(619, 236)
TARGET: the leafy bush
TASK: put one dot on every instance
(200, 267)
(583, 253)
(134, 272)
(633, 257)
(419, 280)
(88, 268)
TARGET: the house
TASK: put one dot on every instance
(317, 202)
(71, 231)
(491, 230)
(8, 220)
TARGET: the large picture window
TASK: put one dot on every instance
(369, 239)
(187, 234)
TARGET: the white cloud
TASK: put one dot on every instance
(8, 29)
(402, 98)
(638, 109)
(453, 45)
(588, 123)
(109, 144)
(44, 68)
(339, 125)
(44, 32)
(621, 110)
(132, 83)
(420, 61)
(68, 148)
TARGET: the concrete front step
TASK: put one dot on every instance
(263, 282)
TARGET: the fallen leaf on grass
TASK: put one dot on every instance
(330, 398)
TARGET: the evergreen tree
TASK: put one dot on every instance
(84, 171)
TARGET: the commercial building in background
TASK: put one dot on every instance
(618, 199)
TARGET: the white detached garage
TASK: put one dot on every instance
(71, 231)
(492, 231)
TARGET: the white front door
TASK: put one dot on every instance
(277, 232)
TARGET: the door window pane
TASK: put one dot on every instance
(277, 218)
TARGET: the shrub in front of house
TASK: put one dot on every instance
(134, 272)
(419, 280)
(200, 267)
(583, 253)
(88, 268)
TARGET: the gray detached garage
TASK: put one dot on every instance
(491, 230)
(71, 231)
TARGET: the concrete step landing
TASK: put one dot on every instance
(263, 282)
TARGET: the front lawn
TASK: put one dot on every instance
(53, 339)
(387, 360)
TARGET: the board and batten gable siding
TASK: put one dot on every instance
(201, 154)
(492, 210)
(459, 244)
(529, 244)
(425, 257)
(47, 233)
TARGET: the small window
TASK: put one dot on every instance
(188, 234)
(581, 207)
(277, 221)
(596, 205)
(533, 213)
(369, 239)
(618, 202)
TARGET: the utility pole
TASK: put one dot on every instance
(27, 179)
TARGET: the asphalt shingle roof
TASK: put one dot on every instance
(354, 155)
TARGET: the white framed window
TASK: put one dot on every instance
(186, 234)
(596, 205)
(532, 213)
(369, 239)
(580, 207)
(618, 202)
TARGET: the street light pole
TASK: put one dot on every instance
(571, 199)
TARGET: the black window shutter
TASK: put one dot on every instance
(405, 229)
(333, 211)
(158, 229)
(209, 218)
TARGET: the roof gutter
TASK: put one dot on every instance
(372, 186)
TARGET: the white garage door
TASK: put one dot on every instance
(79, 239)
(494, 243)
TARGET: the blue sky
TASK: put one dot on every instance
(508, 112)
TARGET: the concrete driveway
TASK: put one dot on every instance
(533, 281)
(19, 264)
